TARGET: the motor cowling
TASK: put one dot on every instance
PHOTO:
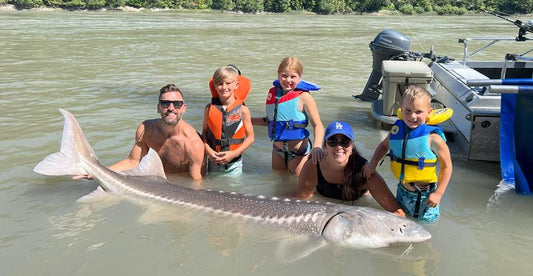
(387, 45)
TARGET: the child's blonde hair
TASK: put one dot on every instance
(414, 92)
(291, 63)
(223, 73)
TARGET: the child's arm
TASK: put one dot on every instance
(381, 150)
(227, 156)
(258, 121)
(211, 154)
(311, 108)
(140, 149)
(443, 154)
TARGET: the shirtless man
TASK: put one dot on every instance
(178, 144)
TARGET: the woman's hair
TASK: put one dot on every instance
(293, 64)
(355, 180)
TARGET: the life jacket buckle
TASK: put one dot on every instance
(421, 163)
(224, 143)
(285, 146)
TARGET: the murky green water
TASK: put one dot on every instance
(106, 68)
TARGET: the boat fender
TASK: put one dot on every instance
(436, 116)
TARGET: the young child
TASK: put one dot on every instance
(227, 129)
(289, 109)
(411, 142)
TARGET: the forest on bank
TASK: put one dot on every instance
(440, 7)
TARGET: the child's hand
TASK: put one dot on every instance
(224, 157)
(212, 155)
(433, 199)
(368, 171)
(316, 154)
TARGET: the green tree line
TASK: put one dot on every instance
(280, 6)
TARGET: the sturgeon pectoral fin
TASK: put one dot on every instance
(295, 249)
(97, 194)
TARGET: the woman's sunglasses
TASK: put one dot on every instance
(165, 103)
(344, 142)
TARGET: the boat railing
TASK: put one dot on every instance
(492, 41)
(504, 86)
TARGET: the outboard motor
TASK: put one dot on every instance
(388, 44)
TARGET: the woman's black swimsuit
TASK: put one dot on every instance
(332, 190)
(325, 188)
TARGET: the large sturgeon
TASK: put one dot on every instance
(341, 224)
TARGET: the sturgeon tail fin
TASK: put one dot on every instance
(73, 145)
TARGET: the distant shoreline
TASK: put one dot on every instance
(10, 7)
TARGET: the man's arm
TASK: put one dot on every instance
(139, 150)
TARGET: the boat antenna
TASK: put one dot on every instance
(410, 31)
(523, 28)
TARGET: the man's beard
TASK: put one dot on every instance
(171, 122)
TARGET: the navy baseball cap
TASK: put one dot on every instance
(339, 127)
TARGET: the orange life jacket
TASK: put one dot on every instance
(225, 129)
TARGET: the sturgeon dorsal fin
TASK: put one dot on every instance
(150, 165)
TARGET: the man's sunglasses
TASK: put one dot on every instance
(344, 142)
(165, 103)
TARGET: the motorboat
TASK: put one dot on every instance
(472, 89)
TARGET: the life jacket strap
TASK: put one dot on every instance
(419, 191)
(421, 163)
(292, 125)
(228, 141)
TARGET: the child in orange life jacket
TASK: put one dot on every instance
(227, 128)
(289, 109)
(410, 145)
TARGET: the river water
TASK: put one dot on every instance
(107, 67)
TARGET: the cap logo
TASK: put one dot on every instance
(338, 125)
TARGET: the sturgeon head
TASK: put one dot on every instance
(365, 227)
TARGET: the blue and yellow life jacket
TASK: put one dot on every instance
(412, 159)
